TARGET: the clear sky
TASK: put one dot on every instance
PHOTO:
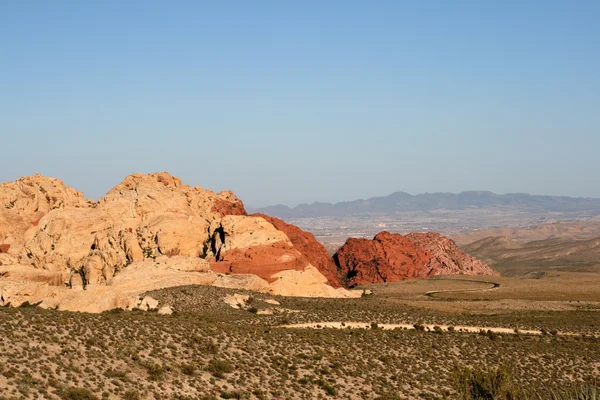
(288, 102)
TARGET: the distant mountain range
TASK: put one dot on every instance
(404, 202)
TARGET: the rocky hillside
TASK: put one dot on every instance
(565, 230)
(148, 232)
(514, 258)
(393, 257)
(152, 231)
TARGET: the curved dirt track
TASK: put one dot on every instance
(493, 286)
(429, 327)
(425, 327)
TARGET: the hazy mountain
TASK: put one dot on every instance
(405, 202)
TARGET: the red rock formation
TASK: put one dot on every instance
(306, 244)
(4, 248)
(386, 258)
(392, 257)
(225, 207)
(448, 258)
(263, 261)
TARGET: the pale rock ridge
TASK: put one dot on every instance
(240, 232)
(149, 232)
(25, 201)
(143, 217)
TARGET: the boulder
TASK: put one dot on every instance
(148, 303)
(165, 310)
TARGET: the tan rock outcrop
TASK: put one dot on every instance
(165, 310)
(149, 232)
(24, 202)
(240, 232)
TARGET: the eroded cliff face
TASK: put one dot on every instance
(143, 217)
(152, 224)
(390, 257)
(314, 252)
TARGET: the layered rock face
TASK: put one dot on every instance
(153, 226)
(305, 242)
(393, 257)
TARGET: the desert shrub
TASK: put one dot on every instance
(188, 369)
(27, 304)
(485, 384)
(113, 373)
(253, 310)
(131, 395)
(219, 367)
(330, 390)
(204, 345)
(389, 396)
(74, 393)
(231, 395)
(260, 394)
(582, 392)
(155, 372)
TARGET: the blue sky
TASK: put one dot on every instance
(289, 102)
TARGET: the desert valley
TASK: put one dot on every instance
(390, 200)
(162, 290)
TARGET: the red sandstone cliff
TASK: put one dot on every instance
(393, 257)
